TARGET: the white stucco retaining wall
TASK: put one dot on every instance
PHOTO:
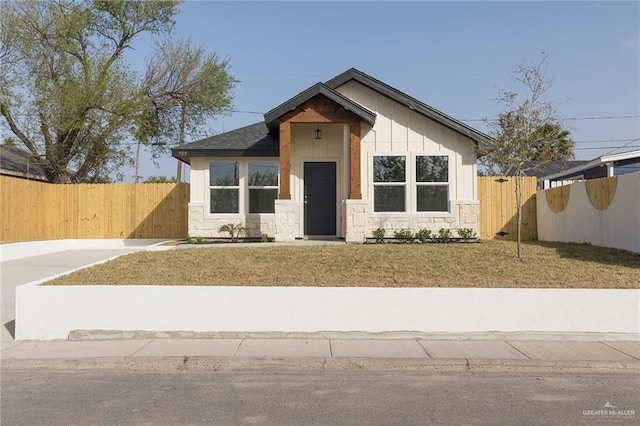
(52, 312)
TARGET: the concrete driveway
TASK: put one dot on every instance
(22, 271)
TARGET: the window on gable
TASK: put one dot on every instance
(224, 186)
(389, 183)
(263, 186)
(432, 183)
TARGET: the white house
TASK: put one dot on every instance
(605, 166)
(340, 159)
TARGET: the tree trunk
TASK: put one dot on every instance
(519, 210)
(181, 140)
(135, 179)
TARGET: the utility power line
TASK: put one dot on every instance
(248, 112)
(613, 148)
(604, 140)
(623, 146)
(611, 117)
(608, 117)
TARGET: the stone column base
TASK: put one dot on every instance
(356, 220)
(468, 215)
(287, 220)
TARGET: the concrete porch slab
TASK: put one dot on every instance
(73, 350)
(190, 347)
(365, 348)
(452, 349)
(569, 351)
(284, 348)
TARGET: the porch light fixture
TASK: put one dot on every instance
(318, 133)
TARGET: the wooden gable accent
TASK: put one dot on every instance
(320, 109)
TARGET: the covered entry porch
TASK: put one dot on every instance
(319, 194)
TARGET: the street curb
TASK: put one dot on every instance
(115, 335)
(184, 363)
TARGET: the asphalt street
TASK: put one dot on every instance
(277, 396)
(121, 377)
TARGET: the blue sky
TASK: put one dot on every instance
(452, 56)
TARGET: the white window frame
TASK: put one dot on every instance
(404, 184)
(238, 187)
(415, 183)
(249, 187)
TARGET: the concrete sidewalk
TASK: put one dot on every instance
(317, 349)
(341, 352)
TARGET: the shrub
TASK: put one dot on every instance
(190, 240)
(234, 230)
(403, 235)
(466, 233)
(199, 239)
(378, 234)
(444, 235)
(424, 235)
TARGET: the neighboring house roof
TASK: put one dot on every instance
(622, 159)
(20, 163)
(261, 139)
(253, 140)
(546, 168)
(272, 117)
(407, 101)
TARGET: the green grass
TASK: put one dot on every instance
(488, 264)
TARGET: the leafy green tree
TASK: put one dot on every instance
(66, 91)
(188, 86)
(268, 178)
(160, 179)
(528, 133)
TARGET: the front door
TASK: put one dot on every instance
(320, 198)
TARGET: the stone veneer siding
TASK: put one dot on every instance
(284, 224)
(204, 225)
(463, 215)
(287, 220)
(355, 212)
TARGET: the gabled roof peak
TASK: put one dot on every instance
(272, 118)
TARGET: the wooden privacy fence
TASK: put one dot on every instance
(498, 213)
(33, 210)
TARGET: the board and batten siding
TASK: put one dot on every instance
(399, 130)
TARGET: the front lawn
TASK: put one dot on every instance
(488, 264)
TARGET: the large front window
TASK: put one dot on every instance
(224, 186)
(263, 186)
(389, 183)
(432, 183)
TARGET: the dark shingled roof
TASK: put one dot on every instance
(408, 101)
(249, 141)
(547, 168)
(18, 162)
(257, 141)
